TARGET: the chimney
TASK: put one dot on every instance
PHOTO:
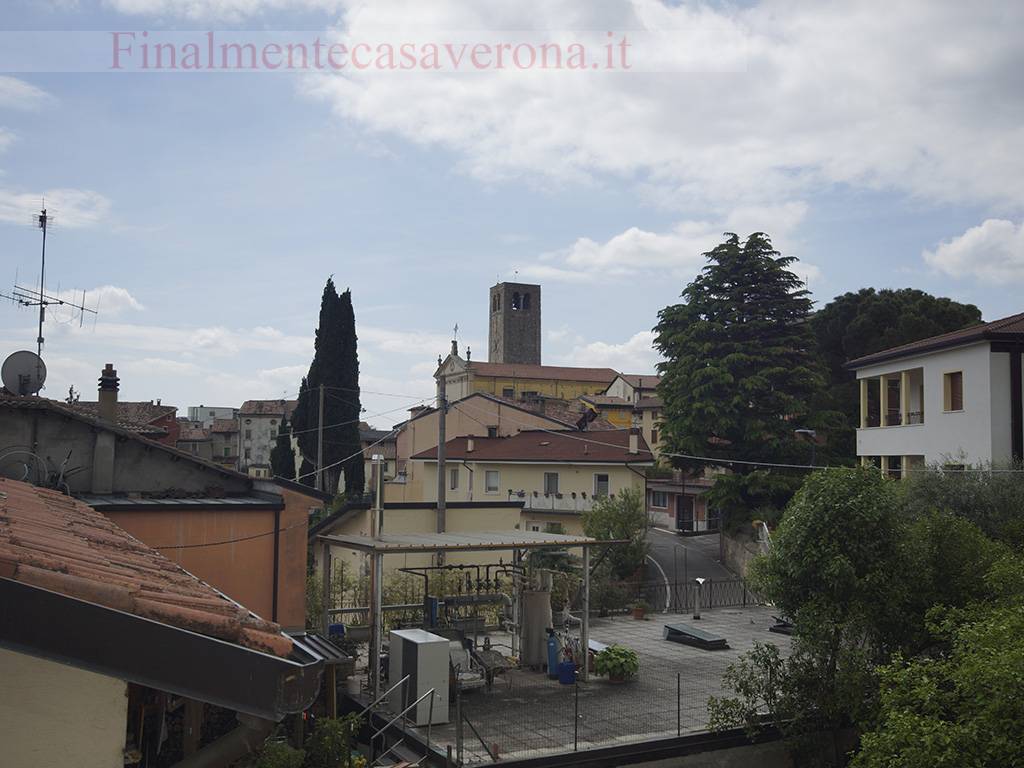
(108, 394)
(634, 441)
(470, 444)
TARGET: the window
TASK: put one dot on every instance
(654, 436)
(248, 434)
(492, 431)
(526, 301)
(953, 391)
(509, 393)
(550, 483)
(534, 527)
(248, 453)
(600, 485)
(453, 478)
(659, 499)
(492, 479)
(273, 422)
(273, 433)
(227, 450)
(515, 301)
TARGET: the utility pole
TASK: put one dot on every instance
(320, 444)
(442, 417)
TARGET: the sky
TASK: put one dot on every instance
(880, 144)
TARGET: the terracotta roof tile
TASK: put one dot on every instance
(649, 402)
(190, 434)
(60, 544)
(1005, 328)
(267, 407)
(224, 426)
(536, 445)
(645, 380)
(143, 412)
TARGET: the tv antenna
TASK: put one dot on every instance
(28, 297)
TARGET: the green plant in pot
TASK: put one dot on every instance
(640, 609)
(617, 662)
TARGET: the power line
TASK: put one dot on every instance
(360, 452)
(232, 541)
(715, 460)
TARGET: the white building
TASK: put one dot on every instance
(258, 425)
(204, 415)
(954, 399)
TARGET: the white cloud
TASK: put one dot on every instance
(635, 355)
(71, 208)
(678, 252)
(993, 251)
(228, 10)
(6, 139)
(111, 300)
(17, 94)
(920, 97)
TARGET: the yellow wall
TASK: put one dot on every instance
(58, 715)
(471, 417)
(578, 478)
(558, 388)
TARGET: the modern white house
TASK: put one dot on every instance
(952, 400)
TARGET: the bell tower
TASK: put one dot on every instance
(515, 324)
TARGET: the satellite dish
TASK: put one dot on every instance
(24, 373)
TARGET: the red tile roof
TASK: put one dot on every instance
(541, 446)
(190, 434)
(57, 543)
(645, 403)
(224, 426)
(645, 380)
(267, 407)
(1005, 329)
(553, 372)
(129, 412)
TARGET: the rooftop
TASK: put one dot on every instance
(645, 403)
(458, 542)
(641, 380)
(1005, 329)
(224, 426)
(128, 412)
(53, 542)
(526, 715)
(190, 434)
(267, 407)
(554, 372)
(606, 446)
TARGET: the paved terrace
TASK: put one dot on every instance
(526, 714)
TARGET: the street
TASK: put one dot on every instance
(678, 560)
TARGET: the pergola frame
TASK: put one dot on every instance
(439, 543)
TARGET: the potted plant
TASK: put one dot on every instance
(618, 662)
(639, 610)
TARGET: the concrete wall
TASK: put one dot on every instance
(57, 715)
(130, 465)
(262, 435)
(944, 435)
(738, 553)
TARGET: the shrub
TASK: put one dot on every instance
(617, 661)
(277, 754)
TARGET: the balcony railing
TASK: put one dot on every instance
(894, 418)
(538, 501)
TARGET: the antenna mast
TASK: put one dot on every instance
(28, 297)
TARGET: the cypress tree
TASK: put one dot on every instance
(282, 457)
(739, 374)
(336, 366)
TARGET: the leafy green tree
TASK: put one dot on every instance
(963, 708)
(336, 366)
(857, 324)
(621, 517)
(739, 374)
(330, 744)
(992, 501)
(278, 754)
(282, 457)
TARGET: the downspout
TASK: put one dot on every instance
(232, 746)
(470, 473)
(277, 563)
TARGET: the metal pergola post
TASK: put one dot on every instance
(585, 619)
(325, 578)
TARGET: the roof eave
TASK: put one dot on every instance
(154, 654)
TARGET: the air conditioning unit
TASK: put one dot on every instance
(423, 656)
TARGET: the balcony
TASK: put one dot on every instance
(892, 399)
(538, 501)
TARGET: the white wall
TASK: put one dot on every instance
(945, 435)
(53, 715)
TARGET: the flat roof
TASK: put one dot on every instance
(460, 542)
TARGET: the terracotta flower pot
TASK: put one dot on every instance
(638, 613)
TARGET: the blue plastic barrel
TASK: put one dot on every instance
(336, 631)
(552, 655)
(567, 673)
